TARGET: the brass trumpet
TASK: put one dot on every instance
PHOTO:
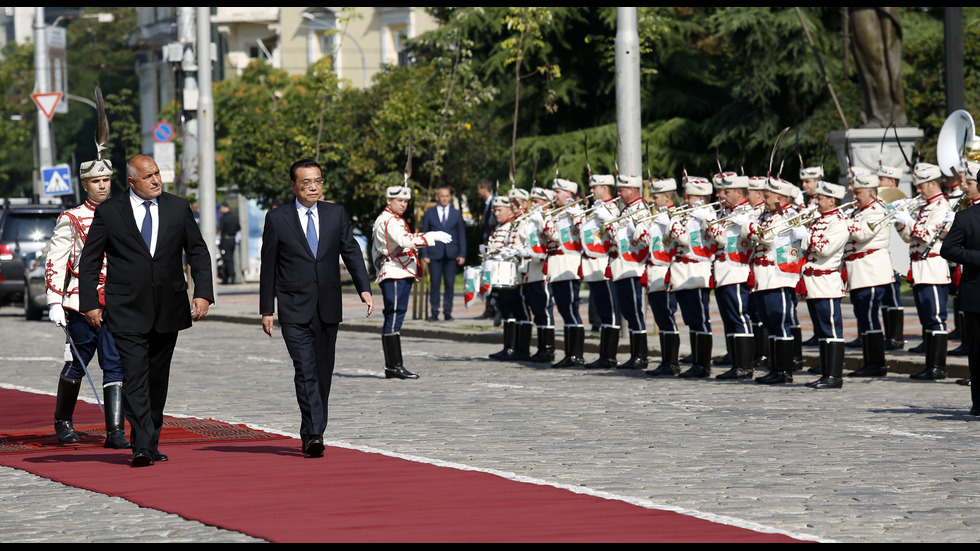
(803, 219)
(907, 205)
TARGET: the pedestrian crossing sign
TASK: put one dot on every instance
(57, 180)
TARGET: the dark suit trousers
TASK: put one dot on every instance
(311, 347)
(970, 332)
(146, 377)
(442, 272)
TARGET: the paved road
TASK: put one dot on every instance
(885, 460)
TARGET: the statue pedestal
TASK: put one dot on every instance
(865, 148)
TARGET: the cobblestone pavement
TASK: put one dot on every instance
(889, 460)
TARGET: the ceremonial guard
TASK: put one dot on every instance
(955, 195)
(690, 271)
(929, 274)
(776, 265)
(504, 249)
(810, 177)
(892, 311)
(537, 291)
(731, 275)
(596, 247)
(663, 248)
(564, 265)
(756, 195)
(397, 262)
(822, 284)
(61, 283)
(519, 199)
(869, 271)
(627, 264)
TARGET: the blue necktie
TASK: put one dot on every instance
(311, 231)
(147, 229)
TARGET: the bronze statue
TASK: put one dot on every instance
(877, 46)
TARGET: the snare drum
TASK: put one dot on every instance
(503, 274)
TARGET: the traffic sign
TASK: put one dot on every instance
(47, 102)
(57, 180)
(163, 132)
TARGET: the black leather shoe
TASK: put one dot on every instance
(450, 318)
(399, 372)
(856, 343)
(963, 382)
(811, 342)
(432, 318)
(142, 458)
(929, 374)
(159, 457)
(314, 448)
(974, 411)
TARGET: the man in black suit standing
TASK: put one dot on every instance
(488, 223)
(301, 245)
(962, 246)
(144, 235)
(442, 258)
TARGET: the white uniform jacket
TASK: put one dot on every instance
(866, 255)
(628, 257)
(395, 247)
(824, 245)
(928, 268)
(691, 267)
(731, 264)
(776, 259)
(564, 247)
(64, 252)
(596, 243)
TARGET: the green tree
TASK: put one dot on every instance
(17, 121)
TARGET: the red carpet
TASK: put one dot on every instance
(260, 484)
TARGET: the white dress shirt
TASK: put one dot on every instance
(139, 212)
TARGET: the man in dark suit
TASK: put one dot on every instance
(962, 246)
(144, 235)
(488, 223)
(442, 258)
(301, 245)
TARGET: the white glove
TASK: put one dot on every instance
(902, 218)
(537, 218)
(701, 214)
(574, 210)
(662, 220)
(56, 314)
(507, 252)
(483, 250)
(603, 214)
(799, 233)
(740, 220)
(630, 226)
(949, 217)
(440, 237)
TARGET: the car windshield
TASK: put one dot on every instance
(29, 227)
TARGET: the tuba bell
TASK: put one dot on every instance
(957, 142)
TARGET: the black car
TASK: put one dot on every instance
(25, 229)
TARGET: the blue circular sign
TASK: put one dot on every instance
(163, 132)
